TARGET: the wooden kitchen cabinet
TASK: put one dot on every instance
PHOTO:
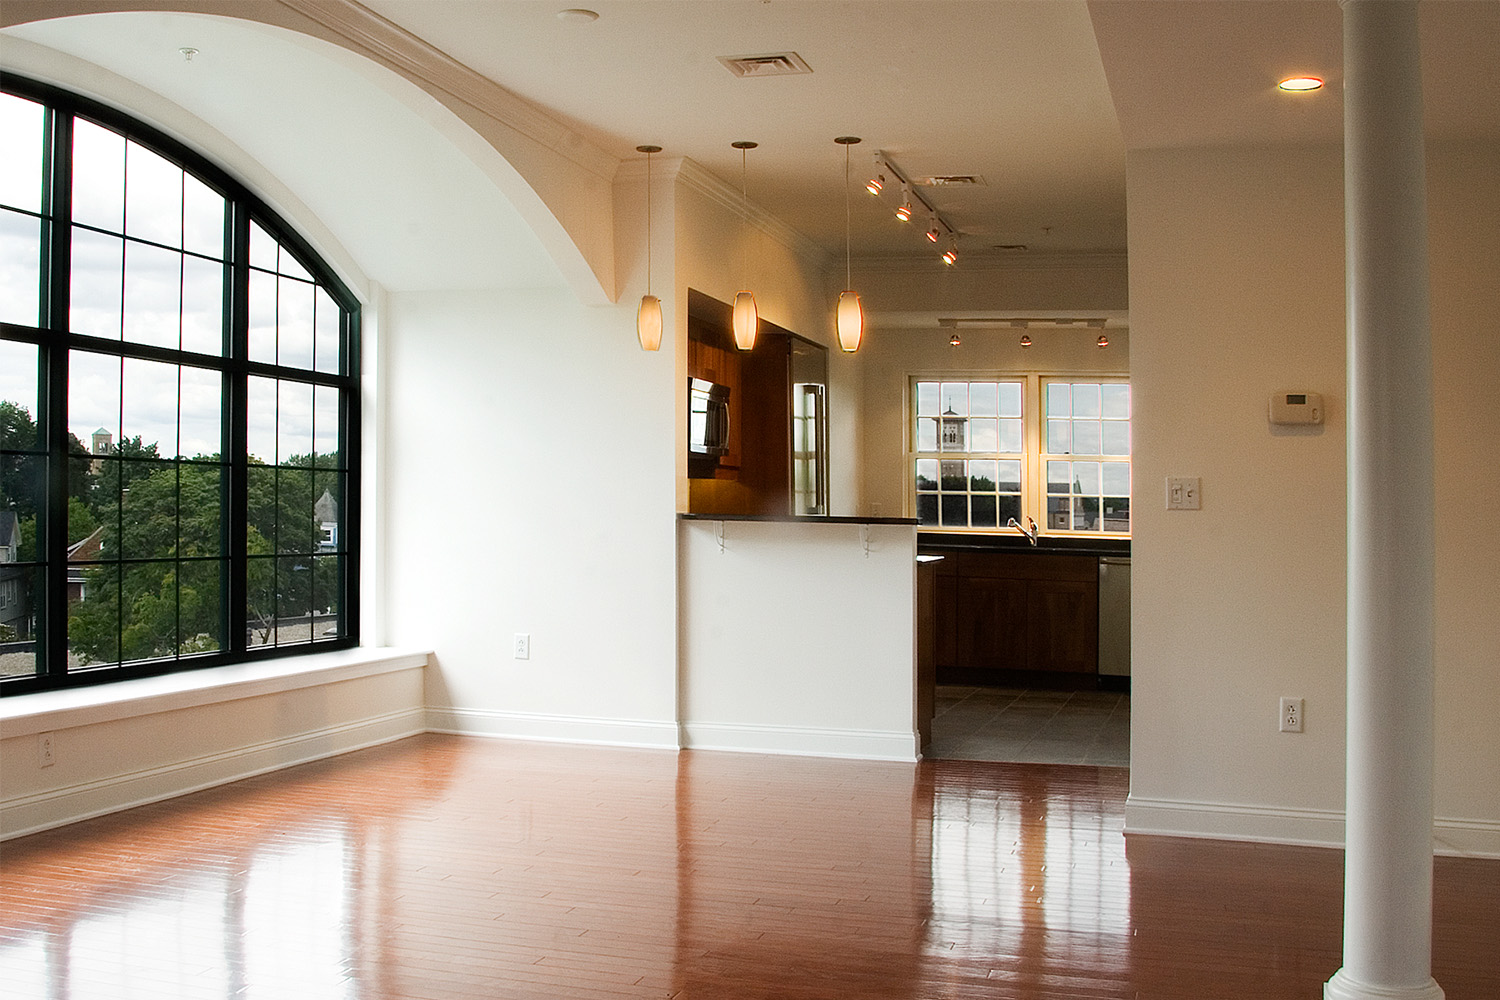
(1025, 618)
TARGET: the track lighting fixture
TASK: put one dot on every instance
(648, 322)
(933, 232)
(746, 317)
(950, 255)
(903, 212)
(1025, 340)
(953, 341)
(849, 319)
(1103, 340)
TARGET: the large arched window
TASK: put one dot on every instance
(178, 410)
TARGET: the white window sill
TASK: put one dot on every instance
(46, 711)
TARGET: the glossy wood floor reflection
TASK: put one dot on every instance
(445, 868)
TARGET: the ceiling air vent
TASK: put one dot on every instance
(774, 64)
(950, 180)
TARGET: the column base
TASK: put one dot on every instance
(1344, 987)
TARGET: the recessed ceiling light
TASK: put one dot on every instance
(577, 15)
(1300, 84)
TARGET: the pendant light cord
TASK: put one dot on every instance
(648, 223)
(848, 279)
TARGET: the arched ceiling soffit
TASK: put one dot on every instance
(556, 185)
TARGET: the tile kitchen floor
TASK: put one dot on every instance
(1037, 727)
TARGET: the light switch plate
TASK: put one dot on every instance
(1184, 493)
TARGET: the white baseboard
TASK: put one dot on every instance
(69, 804)
(1270, 825)
(553, 728)
(803, 741)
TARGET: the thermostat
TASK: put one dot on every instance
(1296, 408)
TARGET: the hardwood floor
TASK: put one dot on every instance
(445, 868)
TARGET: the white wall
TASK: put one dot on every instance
(1236, 292)
(795, 640)
(529, 488)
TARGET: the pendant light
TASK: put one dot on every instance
(648, 316)
(746, 319)
(850, 321)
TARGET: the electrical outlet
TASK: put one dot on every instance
(44, 750)
(1291, 715)
(523, 646)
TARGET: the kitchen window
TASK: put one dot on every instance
(178, 410)
(1052, 449)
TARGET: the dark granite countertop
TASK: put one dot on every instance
(798, 518)
(952, 541)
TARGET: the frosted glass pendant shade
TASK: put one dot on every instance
(648, 323)
(746, 321)
(851, 322)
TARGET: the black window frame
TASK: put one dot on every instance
(54, 342)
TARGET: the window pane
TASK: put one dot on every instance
(148, 406)
(94, 614)
(263, 317)
(290, 266)
(927, 399)
(927, 474)
(203, 216)
(327, 572)
(22, 495)
(153, 295)
(294, 519)
(262, 420)
(1059, 437)
(294, 323)
(97, 273)
(1116, 438)
(94, 400)
(952, 431)
(1085, 513)
(85, 530)
(1059, 400)
(984, 399)
(18, 383)
(98, 176)
(260, 484)
(1008, 476)
(328, 493)
(153, 197)
(1006, 508)
(21, 123)
(200, 596)
(955, 401)
(260, 610)
(954, 478)
(983, 511)
(201, 504)
(149, 611)
(1087, 439)
(20, 268)
(262, 248)
(983, 476)
(293, 600)
(1116, 400)
(1085, 401)
(1059, 477)
(927, 434)
(294, 412)
(955, 510)
(18, 610)
(1059, 513)
(148, 512)
(200, 396)
(328, 334)
(202, 306)
(1010, 437)
(985, 435)
(1086, 478)
(1116, 479)
(1116, 513)
(927, 508)
(1010, 399)
(326, 423)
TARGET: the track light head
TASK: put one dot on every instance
(875, 184)
(934, 234)
(903, 213)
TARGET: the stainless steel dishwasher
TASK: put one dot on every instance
(1114, 616)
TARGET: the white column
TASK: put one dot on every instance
(1388, 849)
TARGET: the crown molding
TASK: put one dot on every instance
(367, 32)
(696, 178)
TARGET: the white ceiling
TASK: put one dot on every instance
(1019, 92)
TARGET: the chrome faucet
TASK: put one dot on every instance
(1029, 532)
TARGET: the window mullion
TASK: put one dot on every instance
(236, 571)
(52, 405)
